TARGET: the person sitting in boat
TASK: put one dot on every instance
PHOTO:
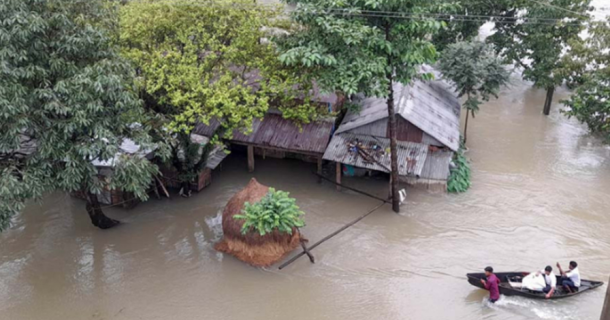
(550, 279)
(491, 284)
(570, 281)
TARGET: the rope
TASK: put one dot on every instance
(293, 259)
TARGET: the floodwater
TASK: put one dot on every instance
(540, 195)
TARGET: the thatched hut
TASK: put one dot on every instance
(252, 248)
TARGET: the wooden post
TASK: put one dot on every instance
(250, 158)
(319, 169)
(606, 309)
(162, 186)
(338, 176)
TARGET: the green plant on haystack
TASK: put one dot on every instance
(459, 179)
(275, 211)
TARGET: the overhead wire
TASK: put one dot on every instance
(550, 5)
(447, 17)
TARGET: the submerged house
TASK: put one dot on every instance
(277, 137)
(106, 168)
(169, 175)
(428, 134)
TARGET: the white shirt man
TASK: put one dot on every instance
(570, 280)
(574, 275)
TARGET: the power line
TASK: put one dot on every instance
(447, 17)
(549, 5)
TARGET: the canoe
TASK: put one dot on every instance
(506, 278)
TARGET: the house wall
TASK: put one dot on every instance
(405, 131)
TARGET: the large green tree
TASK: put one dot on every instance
(357, 47)
(536, 35)
(203, 61)
(590, 103)
(475, 71)
(65, 100)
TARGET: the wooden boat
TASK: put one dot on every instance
(510, 285)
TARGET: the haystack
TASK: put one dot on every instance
(252, 248)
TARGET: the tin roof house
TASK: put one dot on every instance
(428, 133)
(276, 137)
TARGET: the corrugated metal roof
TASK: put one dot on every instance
(411, 156)
(277, 132)
(128, 146)
(433, 109)
(216, 157)
(207, 130)
(436, 166)
(431, 106)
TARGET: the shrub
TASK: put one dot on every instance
(459, 179)
(275, 211)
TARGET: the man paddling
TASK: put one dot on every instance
(570, 280)
(491, 284)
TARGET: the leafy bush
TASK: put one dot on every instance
(459, 179)
(275, 211)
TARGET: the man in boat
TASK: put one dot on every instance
(491, 284)
(550, 279)
(570, 280)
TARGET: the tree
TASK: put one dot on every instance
(475, 71)
(535, 35)
(202, 61)
(465, 20)
(65, 100)
(355, 47)
(590, 103)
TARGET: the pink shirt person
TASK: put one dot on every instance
(492, 284)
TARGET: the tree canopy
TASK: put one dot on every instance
(66, 99)
(203, 61)
(590, 103)
(475, 71)
(536, 35)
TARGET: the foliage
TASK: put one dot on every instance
(475, 71)
(354, 51)
(275, 211)
(591, 101)
(65, 99)
(552, 28)
(459, 178)
(203, 61)
(466, 20)
(353, 47)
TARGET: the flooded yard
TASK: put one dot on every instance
(540, 195)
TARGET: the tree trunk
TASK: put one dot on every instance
(392, 126)
(393, 152)
(466, 126)
(548, 101)
(98, 218)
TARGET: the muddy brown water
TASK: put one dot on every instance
(540, 195)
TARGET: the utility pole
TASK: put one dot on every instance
(606, 309)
